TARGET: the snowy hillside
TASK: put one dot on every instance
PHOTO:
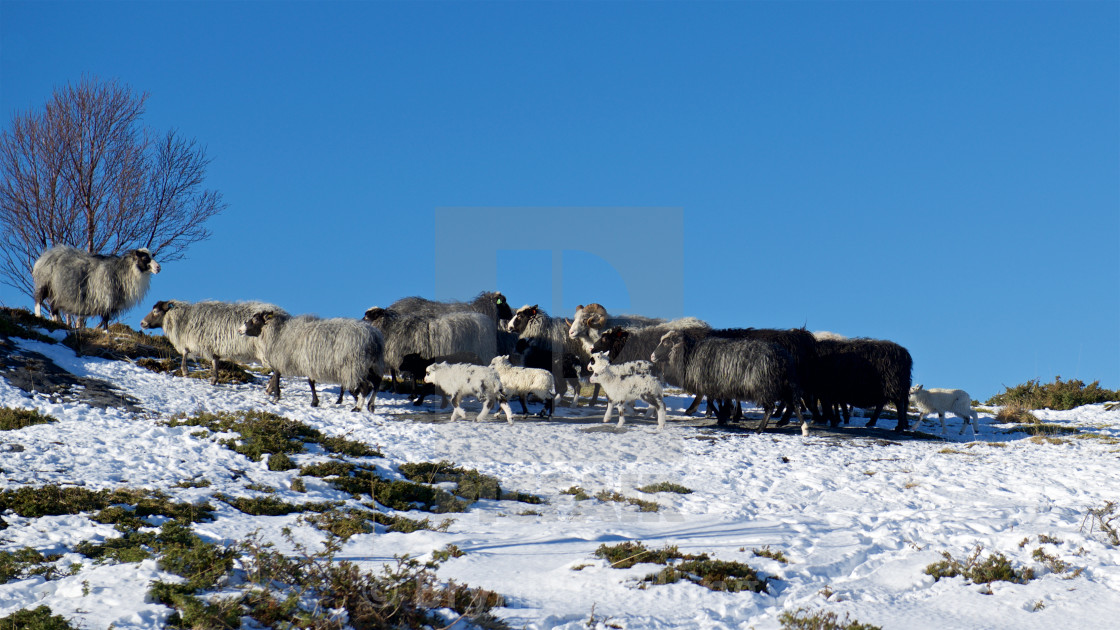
(852, 517)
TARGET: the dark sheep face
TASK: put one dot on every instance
(502, 304)
(255, 324)
(144, 261)
(521, 318)
(669, 341)
(154, 319)
(374, 314)
(612, 341)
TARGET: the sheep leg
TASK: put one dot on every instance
(610, 408)
(622, 412)
(507, 410)
(486, 404)
(594, 396)
(574, 384)
(314, 396)
(443, 402)
(105, 323)
(737, 413)
(902, 405)
(941, 417)
(658, 403)
(804, 423)
(767, 410)
(213, 371)
(875, 415)
(341, 392)
(273, 387)
(524, 409)
(183, 364)
(847, 410)
(694, 406)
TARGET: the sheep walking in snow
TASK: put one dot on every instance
(343, 351)
(83, 285)
(432, 335)
(208, 330)
(625, 383)
(522, 381)
(942, 401)
(459, 380)
(863, 373)
(415, 365)
(732, 369)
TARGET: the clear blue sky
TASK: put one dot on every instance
(942, 174)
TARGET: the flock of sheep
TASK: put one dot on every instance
(484, 349)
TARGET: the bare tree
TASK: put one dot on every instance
(84, 172)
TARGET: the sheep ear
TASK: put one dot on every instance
(268, 316)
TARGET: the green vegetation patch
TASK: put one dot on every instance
(714, 575)
(804, 619)
(20, 322)
(122, 506)
(121, 342)
(577, 493)
(397, 495)
(767, 552)
(643, 505)
(12, 419)
(1056, 395)
(34, 619)
(310, 589)
(469, 483)
(272, 506)
(664, 486)
(995, 568)
(263, 433)
(25, 563)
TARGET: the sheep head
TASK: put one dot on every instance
(502, 305)
(521, 318)
(592, 316)
(669, 341)
(144, 261)
(255, 324)
(154, 319)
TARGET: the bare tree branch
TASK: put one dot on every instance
(83, 172)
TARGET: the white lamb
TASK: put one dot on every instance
(462, 379)
(942, 401)
(625, 383)
(520, 382)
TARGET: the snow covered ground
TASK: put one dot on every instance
(859, 516)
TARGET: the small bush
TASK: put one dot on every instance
(34, 619)
(12, 419)
(802, 619)
(766, 552)
(664, 486)
(53, 500)
(1017, 414)
(995, 568)
(342, 523)
(577, 493)
(643, 505)
(448, 552)
(271, 506)
(267, 433)
(626, 554)
(1056, 395)
(24, 563)
(1101, 519)
(714, 575)
(469, 483)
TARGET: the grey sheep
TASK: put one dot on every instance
(83, 285)
(740, 369)
(340, 350)
(492, 304)
(208, 329)
(432, 335)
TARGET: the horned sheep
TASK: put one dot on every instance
(339, 350)
(81, 284)
(942, 401)
(459, 380)
(208, 329)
